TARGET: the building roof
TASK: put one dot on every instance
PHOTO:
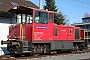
(80, 24)
(86, 18)
(6, 5)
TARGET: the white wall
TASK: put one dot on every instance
(4, 31)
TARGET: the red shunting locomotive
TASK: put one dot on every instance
(36, 33)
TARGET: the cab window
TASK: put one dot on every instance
(51, 17)
(55, 32)
(41, 17)
(24, 18)
(18, 18)
(29, 19)
(70, 31)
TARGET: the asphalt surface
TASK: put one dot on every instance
(82, 56)
(65, 57)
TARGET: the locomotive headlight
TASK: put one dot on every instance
(17, 37)
(9, 36)
(12, 26)
(13, 37)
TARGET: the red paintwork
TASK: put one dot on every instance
(43, 32)
(14, 32)
(63, 33)
(27, 31)
(82, 34)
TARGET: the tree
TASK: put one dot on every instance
(50, 5)
(58, 18)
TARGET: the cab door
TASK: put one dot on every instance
(40, 25)
(56, 33)
(50, 26)
(70, 33)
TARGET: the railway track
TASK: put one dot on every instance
(86, 59)
(7, 57)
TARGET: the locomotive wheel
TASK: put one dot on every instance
(40, 48)
(78, 46)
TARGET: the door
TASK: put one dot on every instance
(70, 33)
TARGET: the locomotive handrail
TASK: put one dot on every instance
(8, 41)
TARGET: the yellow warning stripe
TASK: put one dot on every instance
(22, 35)
(32, 32)
(21, 32)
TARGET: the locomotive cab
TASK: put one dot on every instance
(30, 23)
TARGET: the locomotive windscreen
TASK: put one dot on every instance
(77, 34)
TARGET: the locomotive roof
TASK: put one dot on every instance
(65, 26)
(25, 8)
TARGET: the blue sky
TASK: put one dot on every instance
(73, 9)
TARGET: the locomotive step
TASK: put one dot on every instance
(27, 51)
(25, 46)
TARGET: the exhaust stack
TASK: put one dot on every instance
(40, 4)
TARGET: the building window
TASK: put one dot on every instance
(55, 33)
(13, 3)
(0, 2)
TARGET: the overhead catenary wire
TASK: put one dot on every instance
(82, 2)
